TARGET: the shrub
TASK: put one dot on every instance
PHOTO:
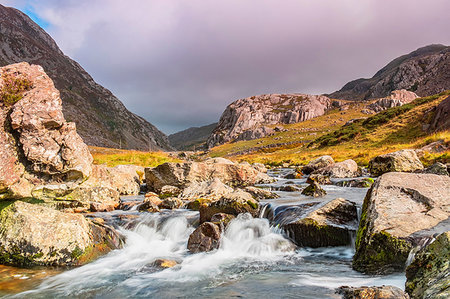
(13, 89)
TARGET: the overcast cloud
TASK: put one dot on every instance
(179, 63)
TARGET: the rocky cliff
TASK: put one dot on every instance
(425, 71)
(248, 118)
(191, 139)
(101, 118)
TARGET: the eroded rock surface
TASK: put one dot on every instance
(401, 161)
(383, 292)
(397, 98)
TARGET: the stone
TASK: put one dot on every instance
(213, 189)
(321, 179)
(260, 193)
(400, 210)
(437, 168)
(383, 292)
(222, 220)
(259, 167)
(205, 238)
(428, 276)
(182, 174)
(441, 118)
(171, 203)
(344, 169)
(148, 206)
(401, 161)
(234, 204)
(397, 98)
(318, 163)
(35, 235)
(314, 190)
(250, 117)
(128, 205)
(152, 198)
(288, 188)
(169, 191)
(356, 183)
(164, 263)
(95, 199)
(329, 225)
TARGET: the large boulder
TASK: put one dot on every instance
(344, 169)
(31, 234)
(33, 128)
(401, 161)
(428, 276)
(182, 174)
(329, 225)
(213, 189)
(318, 163)
(205, 238)
(383, 292)
(399, 212)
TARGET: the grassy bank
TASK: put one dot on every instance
(113, 157)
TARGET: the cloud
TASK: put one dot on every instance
(179, 63)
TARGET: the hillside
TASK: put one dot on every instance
(347, 134)
(193, 138)
(425, 71)
(101, 118)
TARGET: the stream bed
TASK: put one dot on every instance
(253, 260)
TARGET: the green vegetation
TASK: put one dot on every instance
(13, 89)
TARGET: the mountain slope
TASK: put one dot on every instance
(102, 120)
(192, 138)
(425, 71)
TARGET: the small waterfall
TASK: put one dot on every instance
(421, 244)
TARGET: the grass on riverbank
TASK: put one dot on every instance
(393, 129)
(113, 157)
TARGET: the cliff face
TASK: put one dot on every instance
(425, 71)
(101, 118)
(244, 118)
(192, 138)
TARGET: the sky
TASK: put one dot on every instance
(179, 63)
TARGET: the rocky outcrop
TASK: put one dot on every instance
(397, 98)
(317, 163)
(38, 145)
(401, 161)
(424, 71)
(31, 234)
(182, 174)
(441, 117)
(383, 292)
(329, 225)
(100, 117)
(344, 169)
(205, 238)
(399, 212)
(428, 276)
(244, 118)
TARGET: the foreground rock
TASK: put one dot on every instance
(49, 148)
(318, 163)
(401, 161)
(205, 238)
(182, 174)
(384, 292)
(399, 211)
(329, 225)
(244, 118)
(34, 235)
(344, 169)
(234, 204)
(428, 276)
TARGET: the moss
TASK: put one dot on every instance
(91, 253)
(253, 204)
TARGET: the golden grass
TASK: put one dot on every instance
(113, 157)
(403, 131)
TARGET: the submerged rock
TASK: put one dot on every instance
(383, 292)
(163, 263)
(401, 161)
(314, 190)
(428, 276)
(318, 163)
(329, 225)
(399, 211)
(31, 234)
(205, 238)
(356, 183)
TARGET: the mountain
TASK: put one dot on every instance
(101, 118)
(192, 138)
(251, 117)
(425, 71)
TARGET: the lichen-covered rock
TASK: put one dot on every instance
(31, 234)
(169, 191)
(344, 169)
(329, 225)
(356, 183)
(171, 203)
(182, 174)
(205, 238)
(428, 276)
(50, 148)
(245, 117)
(383, 292)
(437, 168)
(318, 163)
(314, 190)
(401, 161)
(260, 193)
(321, 179)
(399, 211)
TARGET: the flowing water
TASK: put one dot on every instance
(255, 260)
